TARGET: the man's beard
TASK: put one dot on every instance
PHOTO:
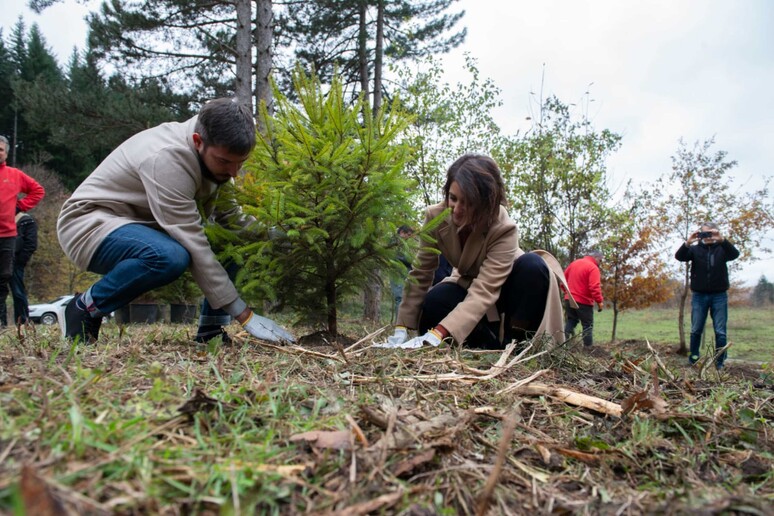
(207, 173)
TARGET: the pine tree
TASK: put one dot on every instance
(357, 38)
(763, 293)
(331, 182)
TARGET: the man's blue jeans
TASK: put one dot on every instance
(133, 259)
(717, 305)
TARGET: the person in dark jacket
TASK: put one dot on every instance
(709, 285)
(26, 245)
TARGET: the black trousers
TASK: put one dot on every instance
(583, 314)
(7, 250)
(522, 299)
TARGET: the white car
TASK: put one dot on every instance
(48, 313)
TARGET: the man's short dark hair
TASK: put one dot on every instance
(226, 123)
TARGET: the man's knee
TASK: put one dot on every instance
(171, 260)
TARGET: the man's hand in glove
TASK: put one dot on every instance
(266, 329)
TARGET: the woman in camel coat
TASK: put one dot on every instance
(496, 292)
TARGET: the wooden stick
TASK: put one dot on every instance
(571, 397)
(482, 504)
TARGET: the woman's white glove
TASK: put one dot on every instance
(266, 329)
(399, 337)
(432, 337)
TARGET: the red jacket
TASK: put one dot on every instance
(583, 279)
(13, 182)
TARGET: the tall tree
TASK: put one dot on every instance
(84, 117)
(7, 107)
(352, 37)
(448, 121)
(199, 46)
(31, 60)
(558, 180)
(701, 188)
(634, 275)
(763, 293)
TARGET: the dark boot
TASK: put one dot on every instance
(79, 325)
(207, 333)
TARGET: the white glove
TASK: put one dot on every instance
(266, 329)
(399, 337)
(432, 337)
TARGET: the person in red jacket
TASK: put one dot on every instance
(585, 286)
(12, 182)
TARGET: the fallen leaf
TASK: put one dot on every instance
(37, 496)
(333, 439)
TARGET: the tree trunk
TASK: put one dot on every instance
(378, 56)
(683, 349)
(332, 316)
(244, 53)
(372, 298)
(615, 321)
(264, 26)
(362, 49)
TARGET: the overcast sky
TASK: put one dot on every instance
(656, 71)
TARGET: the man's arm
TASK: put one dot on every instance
(684, 253)
(34, 192)
(732, 253)
(595, 287)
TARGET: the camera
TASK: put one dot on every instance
(705, 234)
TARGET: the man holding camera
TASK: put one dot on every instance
(709, 285)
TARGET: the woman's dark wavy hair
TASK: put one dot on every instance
(482, 186)
(225, 123)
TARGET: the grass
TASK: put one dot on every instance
(147, 422)
(749, 330)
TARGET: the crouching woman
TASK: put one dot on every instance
(496, 292)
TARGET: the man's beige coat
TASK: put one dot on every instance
(154, 179)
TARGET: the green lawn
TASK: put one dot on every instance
(749, 329)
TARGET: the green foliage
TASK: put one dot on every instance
(332, 183)
(449, 121)
(557, 179)
(138, 37)
(701, 188)
(26, 59)
(72, 121)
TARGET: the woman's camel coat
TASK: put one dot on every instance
(481, 268)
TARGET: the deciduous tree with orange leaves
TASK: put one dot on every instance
(635, 275)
